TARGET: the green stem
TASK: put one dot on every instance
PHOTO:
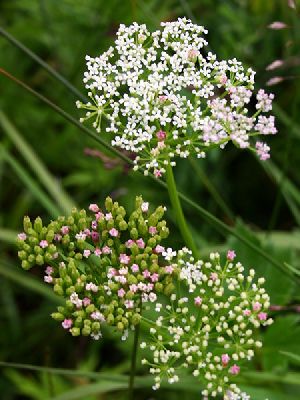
(174, 198)
(133, 362)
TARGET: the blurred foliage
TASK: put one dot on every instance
(43, 165)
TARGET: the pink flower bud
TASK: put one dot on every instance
(43, 244)
(231, 255)
(161, 135)
(22, 236)
(225, 359)
(67, 323)
(235, 369)
(114, 232)
(152, 230)
(140, 243)
(94, 208)
(198, 301)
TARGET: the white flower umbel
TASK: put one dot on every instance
(210, 328)
(162, 95)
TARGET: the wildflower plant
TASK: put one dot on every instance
(160, 95)
(163, 95)
(104, 264)
(209, 327)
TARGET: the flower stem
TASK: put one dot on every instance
(173, 194)
(133, 362)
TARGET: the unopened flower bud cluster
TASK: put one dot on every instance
(162, 95)
(210, 328)
(104, 264)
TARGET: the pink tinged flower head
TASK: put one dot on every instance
(256, 306)
(262, 150)
(98, 316)
(275, 80)
(22, 236)
(92, 287)
(112, 272)
(94, 208)
(129, 243)
(123, 271)
(86, 301)
(169, 269)
(157, 173)
(225, 359)
(54, 256)
(67, 323)
(124, 259)
(97, 252)
(95, 236)
(135, 268)
(152, 230)
(43, 244)
(145, 206)
(64, 230)
(154, 277)
(213, 276)
(198, 301)
(231, 255)
(114, 232)
(87, 232)
(159, 249)
(146, 274)
(133, 288)
(94, 225)
(162, 98)
(108, 216)
(99, 216)
(262, 316)
(121, 292)
(129, 303)
(86, 253)
(49, 270)
(277, 25)
(235, 369)
(140, 243)
(247, 312)
(57, 237)
(161, 135)
(48, 279)
(193, 54)
(106, 250)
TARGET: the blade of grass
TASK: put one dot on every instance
(49, 182)
(7, 235)
(286, 120)
(26, 280)
(42, 63)
(211, 189)
(31, 184)
(218, 224)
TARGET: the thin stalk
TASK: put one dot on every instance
(42, 63)
(133, 362)
(174, 198)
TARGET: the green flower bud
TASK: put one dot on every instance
(159, 287)
(96, 326)
(134, 234)
(86, 330)
(120, 326)
(58, 316)
(27, 224)
(78, 322)
(22, 255)
(31, 259)
(169, 289)
(50, 236)
(75, 331)
(136, 319)
(26, 265)
(39, 259)
(38, 224)
(123, 225)
(110, 319)
(108, 203)
(58, 290)
(90, 308)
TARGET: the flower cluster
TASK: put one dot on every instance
(162, 95)
(210, 326)
(104, 264)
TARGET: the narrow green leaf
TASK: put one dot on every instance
(42, 63)
(7, 235)
(49, 182)
(31, 184)
(24, 279)
(292, 356)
